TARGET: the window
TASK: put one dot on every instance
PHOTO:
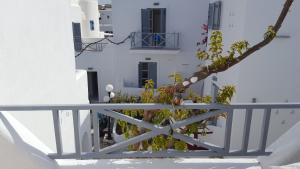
(154, 20)
(77, 37)
(92, 26)
(153, 27)
(214, 15)
(147, 71)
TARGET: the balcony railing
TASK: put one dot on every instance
(119, 150)
(167, 41)
(96, 47)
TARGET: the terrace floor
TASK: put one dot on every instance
(177, 163)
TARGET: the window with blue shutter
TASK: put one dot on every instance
(147, 71)
(162, 28)
(146, 20)
(210, 16)
(146, 26)
(153, 27)
(152, 72)
(214, 15)
(217, 15)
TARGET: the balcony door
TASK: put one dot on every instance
(93, 87)
(153, 27)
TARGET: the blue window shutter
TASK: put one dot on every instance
(163, 14)
(210, 16)
(140, 75)
(152, 72)
(217, 15)
(146, 22)
(77, 36)
(146, 26)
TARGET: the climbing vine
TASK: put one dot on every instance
(166, 116)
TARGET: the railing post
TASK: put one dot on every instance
(178, 34)
(57, 131)
(265, 130)
(131, 38)
(76, 123)
(214, 89)
(174, 40)
(96, 131)
(247, 127)
(228, 128)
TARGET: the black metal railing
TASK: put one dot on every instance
(97, 47)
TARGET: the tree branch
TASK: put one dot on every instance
(207, 71)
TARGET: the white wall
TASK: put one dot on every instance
(106, 15)
(76, 12)
(90, 13)
(106, 20)
(17, 142)
(100, 62)
(37, 64)
(270, 75)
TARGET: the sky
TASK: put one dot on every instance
(104, 1)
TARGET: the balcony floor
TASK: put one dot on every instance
(178, 163)
(155, 51)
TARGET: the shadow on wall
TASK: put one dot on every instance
(14, 148)
(86, 143)
(86, 138)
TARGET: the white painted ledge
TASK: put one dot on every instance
(178, 163)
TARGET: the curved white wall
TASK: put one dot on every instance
(76, 12)
(91, 13)
(15, 152)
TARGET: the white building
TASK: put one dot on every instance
(105, 19)
(269, 75)
(38, 67)
(164, 38)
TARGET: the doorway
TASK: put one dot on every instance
(93, 87)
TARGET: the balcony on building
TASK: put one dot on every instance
(154, 37)
(155, 42)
